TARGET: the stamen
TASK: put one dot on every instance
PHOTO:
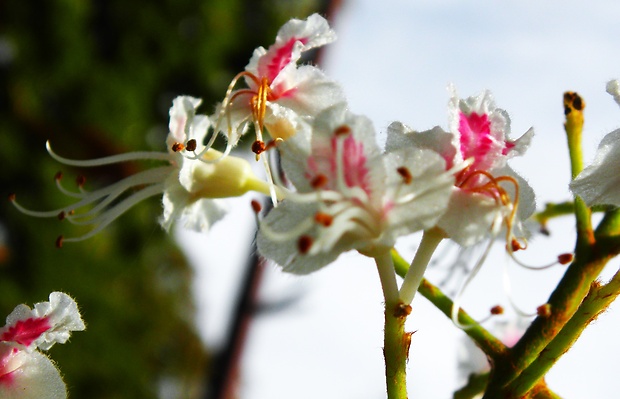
(191, 145)
(324, 219)
(258, 147)
(405, 174)
(304, 244)
(342, 130)
(58, 176)
(256, 206)
(497, 310)
(130, 156)
(319, 181)
(176, 147)
(62, 215)
(565, 259)
(12, 197)
(80, 181)
(59, 241)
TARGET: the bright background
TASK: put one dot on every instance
(395, 60)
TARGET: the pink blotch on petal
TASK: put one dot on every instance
(281, 58)
(507, 147)
(354, 165)
(25, 332)
(476, 140)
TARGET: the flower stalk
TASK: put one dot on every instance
(396, 340)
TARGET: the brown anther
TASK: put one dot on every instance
(80, 181)
(402, 310)
(12, 197)
(58, 176)
(176, 147)
(256, 206)
(544, 310)
(515, 245)
(258, 147)
(304, 243)
(405, 174)
(565, 259)
(62, 215)
(59, 241)
(71, 212)
(324, 219)
(319, 181)
(191, 145)
(341, 130)
(497, 310)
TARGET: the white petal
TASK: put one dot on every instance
(599, 183)
(285, 253)
(64, 316)
(429, 190)
(613, 88)
(469, 217)
(181, 115)
(25, 375)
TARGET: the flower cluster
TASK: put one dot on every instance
(25, 372)
(345, 192)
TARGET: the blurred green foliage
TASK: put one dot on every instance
(97, 78)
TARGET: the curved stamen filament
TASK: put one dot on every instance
(130, 156)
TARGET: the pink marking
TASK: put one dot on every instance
(7, 377)
(507, 147)
(355, 170)
(475, 136)
(280, 57)
(25, 332)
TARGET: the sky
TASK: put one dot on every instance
(395, 59)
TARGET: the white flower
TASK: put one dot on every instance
(280, 95)
(192, 187)
(350, 194)
(24, 371)
(599, 183)
(485, 189)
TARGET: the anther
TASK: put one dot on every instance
(58, 176)
(304, 243)
(544, 310)
(59, 241)
(405, 174)
(342, 130)
(176, 147)
(324, 219)
(256, 206)
(319, 181)
(497, 310)
(12, 197)
(62, 215)
(258, 147)
(565, 259)
(191, 145)
(515, 245)
(80, 180)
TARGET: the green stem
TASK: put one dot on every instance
(430, 240)
(573, 109)
(597, 300)
(396, 340)
(474, 387)
(490, 345)
(574, 286)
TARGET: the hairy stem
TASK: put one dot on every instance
(396, 340)
(489, 344)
